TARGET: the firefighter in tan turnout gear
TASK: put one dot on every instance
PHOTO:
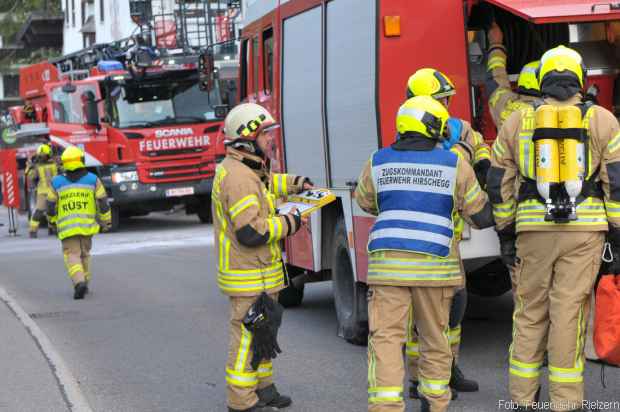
(503, 101)
(78, 203)
(555, 188)
(40, 175)
(416, 189)
(248, 233)
(470, 145)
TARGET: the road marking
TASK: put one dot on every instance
(67, 384)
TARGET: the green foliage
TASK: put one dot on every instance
(18, 11)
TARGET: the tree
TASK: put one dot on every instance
(18, 11)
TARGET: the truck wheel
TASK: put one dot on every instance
(116, 218)
(491, 280)
(204, 210)
(349, 296)
(292, 296)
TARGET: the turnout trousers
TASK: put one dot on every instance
(241, 380)
(39, 213)
(554, 277)
(76, 253)
(454, 335)
(388, 314)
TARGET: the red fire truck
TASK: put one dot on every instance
(334, 74)
(147, 124)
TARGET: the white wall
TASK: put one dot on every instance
(116, 22)
(72, 38)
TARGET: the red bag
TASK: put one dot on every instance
(607, 319)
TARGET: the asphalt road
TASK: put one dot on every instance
(152, 336)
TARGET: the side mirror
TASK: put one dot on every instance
(92, 115)
(69, 88)
(221, 111)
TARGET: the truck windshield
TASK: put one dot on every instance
(156, 104)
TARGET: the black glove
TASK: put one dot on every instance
(263, 320)
(508, 245)
(481, 169)
(613, 238)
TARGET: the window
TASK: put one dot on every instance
(72, 107)
(73, 13)
(268, 60)
(243, 81)
(11, 85)
(255, 64)
(67, 12)
(83, 10)
(101, 11)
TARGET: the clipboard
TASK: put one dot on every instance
(307, 202)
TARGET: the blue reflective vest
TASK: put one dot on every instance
(415, 197)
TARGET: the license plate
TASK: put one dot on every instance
(180, 191)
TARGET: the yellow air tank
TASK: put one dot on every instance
(547, 155)
(572, 154)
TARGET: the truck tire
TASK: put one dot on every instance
(490, 281)
(204, 210)
(349, 296)
(116, 218)
(292, 296)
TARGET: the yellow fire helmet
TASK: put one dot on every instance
(72, 158)
(423, 115)
(44, 149)
(561, 62)
(247, 121)
(527, 82)
(430, 82)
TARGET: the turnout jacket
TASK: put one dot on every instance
(503, 101)
(246, 227)
(41, 174)
(403, 185)
(513, 159)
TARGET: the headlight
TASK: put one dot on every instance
(120, 177)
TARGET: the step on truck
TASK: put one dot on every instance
(334, 74)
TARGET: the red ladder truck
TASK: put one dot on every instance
(147, 124)
(334, 74)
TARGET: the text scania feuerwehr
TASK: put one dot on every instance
(169, 140)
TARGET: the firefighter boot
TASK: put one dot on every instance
(80, 289)
(33, 235)
(458, 381)
(413, 391)
(271, 397)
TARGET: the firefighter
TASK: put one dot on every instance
(431, 82)
(503, 101)
(248, 233)
(40, 174)
(471, 146)
(78, 203)
(416, 189)
(555, 256)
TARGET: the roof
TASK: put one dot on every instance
(42, 30)
(89, 25)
